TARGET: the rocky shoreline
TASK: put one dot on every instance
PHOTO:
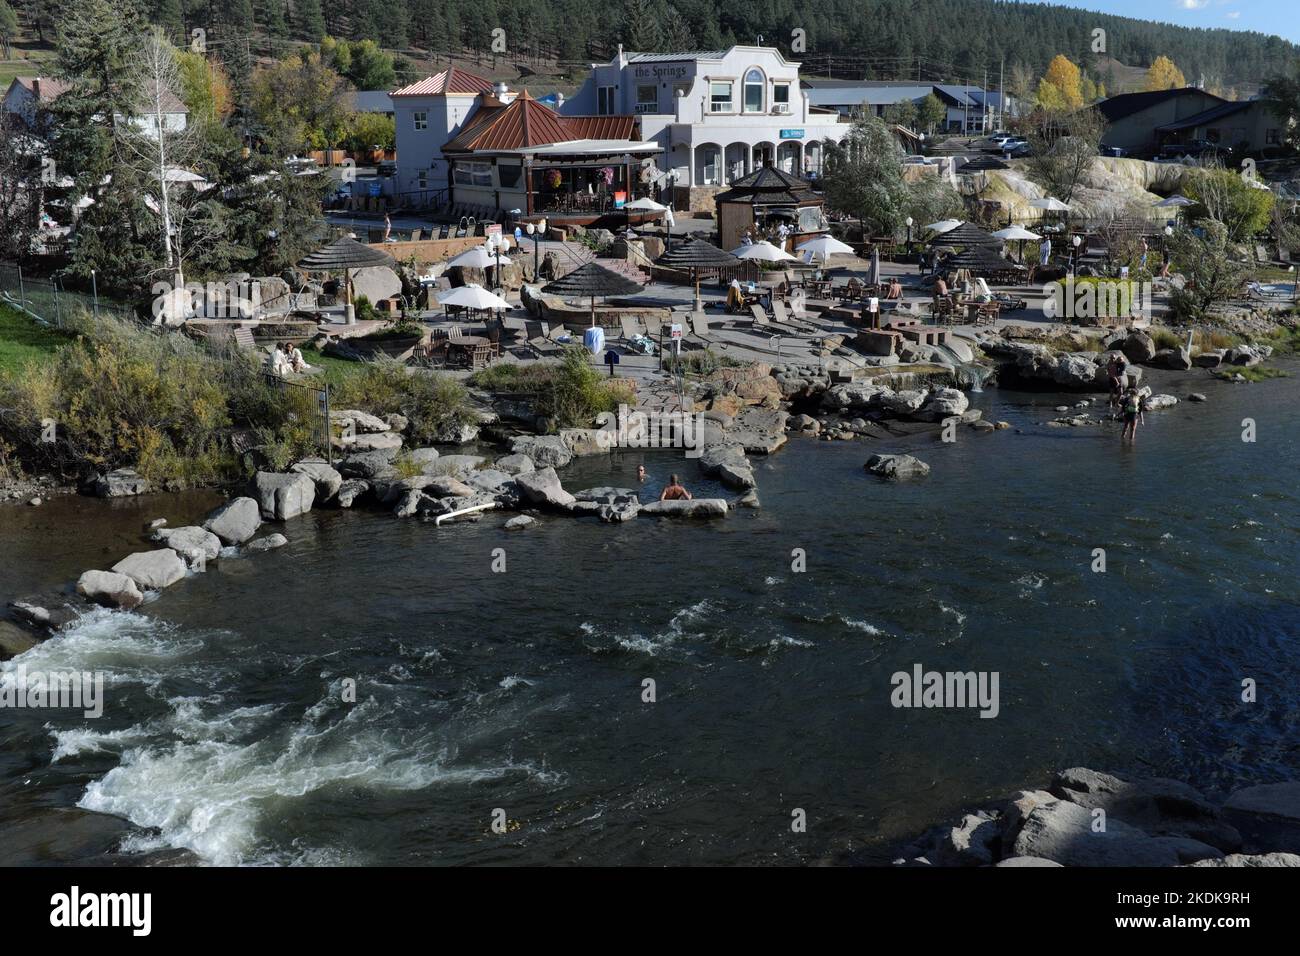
(1088, 818)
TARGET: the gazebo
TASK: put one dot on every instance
(344, 255)
(696, 255)
(766, 196)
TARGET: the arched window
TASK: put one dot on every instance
(754, 91)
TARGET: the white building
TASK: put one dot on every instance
(717, 114)
(28, 96)
(426, 116)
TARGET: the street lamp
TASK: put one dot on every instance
(531, 229)
(1169, 234)
(1074, 256)
(498, 244)
(910, 220)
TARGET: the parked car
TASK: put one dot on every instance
(997, 144)
(1020, 151)
(917, 161)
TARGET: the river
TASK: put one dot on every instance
(227, 730)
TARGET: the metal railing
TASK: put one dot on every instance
(49, 301)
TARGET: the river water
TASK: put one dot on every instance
(226, 731)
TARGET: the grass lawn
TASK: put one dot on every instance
(336, 369)
(23, 340)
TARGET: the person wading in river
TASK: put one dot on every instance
(674, 491)
(1132, 409)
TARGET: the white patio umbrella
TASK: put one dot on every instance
(474, 296)
(764, 251)
(646, 204)
(476, 258)
(1016, 232)
(825, 246)
(943, 225)
(1049, 204)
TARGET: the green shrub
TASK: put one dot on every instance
(431, 402)
(701, 362)
(569, 393)
(364, 310)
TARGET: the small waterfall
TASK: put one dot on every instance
(966, 375)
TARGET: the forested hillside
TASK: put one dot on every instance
(875, 39)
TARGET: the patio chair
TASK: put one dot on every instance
(782, 317)
(760, 316)
(455, 333)
(442, 232)
(699, 324)
(417, 235)
(631, 326)
(538, 338)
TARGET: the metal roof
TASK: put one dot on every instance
(452, 81)
(669, 57)
(527, 123)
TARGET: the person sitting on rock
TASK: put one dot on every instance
(674, 491)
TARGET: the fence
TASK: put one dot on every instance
(321, 432)
(49, 301)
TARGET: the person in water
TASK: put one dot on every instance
(674, 491)
(640, 473)
(1132, 411)
(1115, 372)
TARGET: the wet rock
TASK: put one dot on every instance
(750, 500)
(698, 508)
(760, 431)
(454, 432)
(545, 450)
(515, 464)
(1211, 358)
(121, 483)
(619, 511)
(152, 570)
(1157, 402)
(1268, 816)
(350, 491)
(1244, 355)
(190, 539)
(903, 403)
(327, 479)
(519, 522)
(1197, 397)
(943, 403)
(604, 494)
(459, 466)
(445, 486)
(408, 503)
(1063, 831)
(268, 543)
(897, 467)
(283, 496)
(1180, 359)
(374, 464)
(1016, 861)
(971, 843)
(543, 488)
(729, 465)
(14, 640)
(583, 442)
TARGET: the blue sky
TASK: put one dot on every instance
(1264, 16)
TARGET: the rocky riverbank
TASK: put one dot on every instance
(1088, 818)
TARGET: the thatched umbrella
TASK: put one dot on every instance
(345, 254)
(696, 255)
(967, 234)
(592, 280)
(982, 164)
(979, 259)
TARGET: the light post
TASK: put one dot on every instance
(499, 243)
(94, 291)
(910, 220)
(1169, 234)
(1074, 255)
(530, 229)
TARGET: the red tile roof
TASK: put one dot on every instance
(452, 81)
(526, 122)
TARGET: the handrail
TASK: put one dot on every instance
(463, 511)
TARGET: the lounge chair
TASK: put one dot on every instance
(760, 316)
(782, 317)
(539, 338)
(442, 232)
(699, 324)
(631, 326)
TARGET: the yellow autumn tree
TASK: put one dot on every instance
(1164, 75)
(1064, 79)
(1088, 89)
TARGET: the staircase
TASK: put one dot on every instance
(623, 267)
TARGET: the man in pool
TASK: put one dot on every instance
(674, 491)
(640, 473)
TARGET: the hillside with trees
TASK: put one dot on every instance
(949, 40)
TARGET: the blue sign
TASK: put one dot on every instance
(792, 134)
(375, 187)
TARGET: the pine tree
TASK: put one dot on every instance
(309, 22)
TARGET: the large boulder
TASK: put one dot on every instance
(896, 467)
(1245, 355)
(357, 421)
(326, 477)
(906, 402)
(943, 403)
(543, 488)
(1075, 371)
(152, 570)
(236, 521)
(697, 508)
(369, 465)
(14, 640)
(111, 589)
(583, 442)
(1063, 831)
(515, 464)
(350, 491)
(121, 483)
(283, 496)
(1180, 360)
(545, 450)
(729, 465)
(1268, 816)
(455, 432)
(1139, 347)
(376, 283)
(1267, 860)
(459, 466)
(760, 431)
(190, 540)
(373, 441)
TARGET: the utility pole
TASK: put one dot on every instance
(1002, 94)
